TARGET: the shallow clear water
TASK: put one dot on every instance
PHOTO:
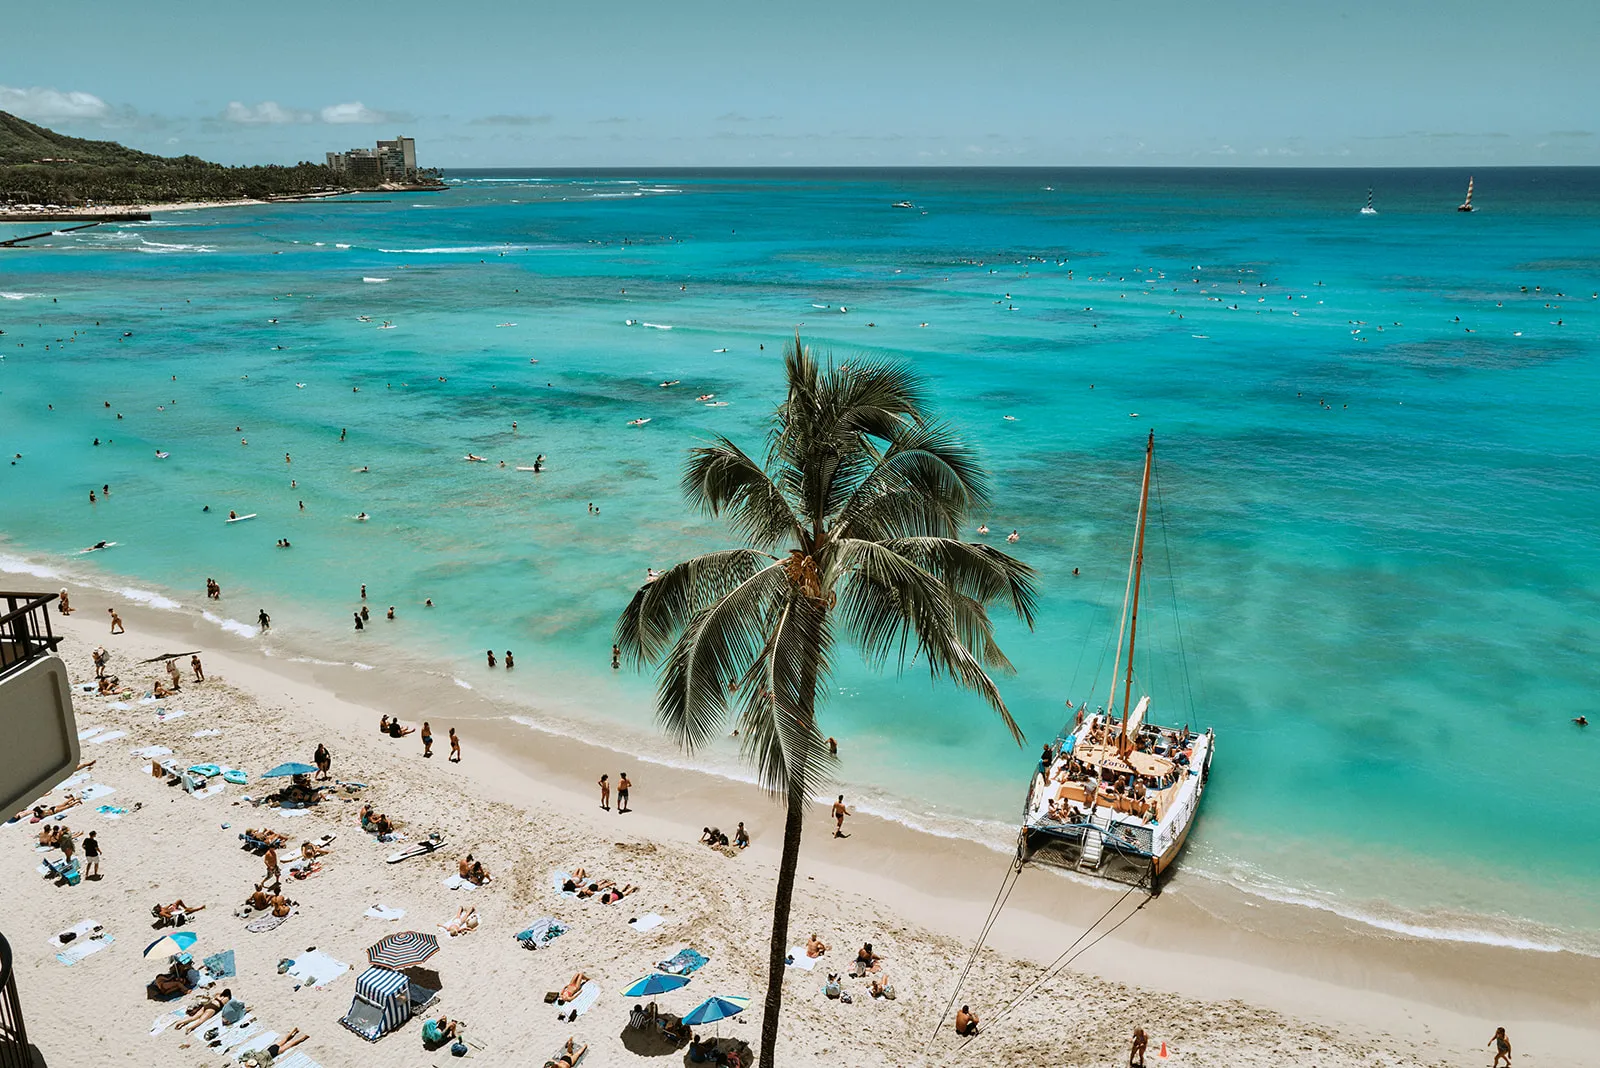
(1382, 538)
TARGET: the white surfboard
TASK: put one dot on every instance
(242, 518)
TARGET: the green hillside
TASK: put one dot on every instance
(105, 172)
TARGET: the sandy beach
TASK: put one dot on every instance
(1214, 989)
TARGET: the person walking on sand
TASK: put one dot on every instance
(455, 747)
(324, 762)
(1502, 1047)
(839, 813)
(194, 666)
(427, 739)
(623, 785)
(271, 859)
(116, 622)
(66, 843)
(1136, 1050)
(91, 857)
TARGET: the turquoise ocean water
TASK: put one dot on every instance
(1378, 460)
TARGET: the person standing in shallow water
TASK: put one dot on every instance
(490, 654)
(359, 624)
(509, 662)
(616, 657)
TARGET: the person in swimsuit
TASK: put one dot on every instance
(1502, 1047)
(455, 755)
(623, 785)
(324, 762)
(427, 739)
(839, 813)
(573, 988)
(574, 882)
(1136, 1050)
(569, 1056)
(206, 1009)
(605, 792)
(617, 893)
(293, 1039)
(966, 1022)
(815, 947)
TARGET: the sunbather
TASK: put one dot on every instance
(203, 1010)
(50, 836)
(367, 817)
(289, 1042)
(107, 685)
(261, 897)
(312, 852)
(174, 981)
(266, 835)
(397, 731)
(436, 1033)
(882, 988)
(594, 888)
(568, 1056)
(574, 882)
(159, 690)
(866, 960)
(617, 893)
(382, 826)
(815, 947)
(41, 812)
(572, 989)
(173, 914)
(281, 905)
(466, 920)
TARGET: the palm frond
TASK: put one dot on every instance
(979, 571)
(661, 608)
(722, 478)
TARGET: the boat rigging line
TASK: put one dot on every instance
(1068, 955)
(1008, 883)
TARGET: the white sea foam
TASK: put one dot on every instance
(454, 249)
(359, 666)
(365, 279)
(232, 626)
(338, 245)
(16, 565)
(8, 295)
(656, 326)
(463, 683)
(148, 597)
(146, 245)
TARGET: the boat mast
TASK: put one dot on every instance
(1138, 572)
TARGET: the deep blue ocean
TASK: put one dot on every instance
(1378, 465)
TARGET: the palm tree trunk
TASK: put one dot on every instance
(780, 927)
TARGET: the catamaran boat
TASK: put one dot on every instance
(1466, 205)
(1116, 794)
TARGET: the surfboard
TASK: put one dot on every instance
(242, 518)
(527, 469)
(96, 548)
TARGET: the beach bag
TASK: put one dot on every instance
(458, 1049)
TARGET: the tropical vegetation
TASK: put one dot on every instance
(850, 527)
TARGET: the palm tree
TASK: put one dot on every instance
(851, 529)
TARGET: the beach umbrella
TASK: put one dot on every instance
(181, 939)
(291, 768)
(402, 949)
(713, 1009)
(655, 983)
(169, 656)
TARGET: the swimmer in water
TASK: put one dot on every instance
(232, 514)
(1013, 537)
(983, 529)
(1582, 721)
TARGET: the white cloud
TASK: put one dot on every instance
(52, 104)
(353, 112)
(267, 112)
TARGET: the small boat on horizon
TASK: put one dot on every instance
(1466, 205)
(1369, 209)
(1116, 795)
(903, 204)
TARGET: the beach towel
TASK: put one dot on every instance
(147, 699)
(386, 912)
(798, 959)
(317, 968)
(121, 706)
(295, 1059)
(290, 813)
(96, 789)
(111, 812)
(210, 732)
(541, 933)
(684, 962)
(210, 791)
(80, 949)
(266, 923)
(166, 1020)
(648, 922)
(82, 776)
(77, 930)
(587, 996)
(558, 879)
(89, 732)
(456, 882)
(111, 736)
(229, 1035)
(150, 752)
(251, 1040)
(177, 713)
(220, 965)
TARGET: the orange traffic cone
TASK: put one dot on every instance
(1163, 1053)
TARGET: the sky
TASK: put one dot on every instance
(646, 83)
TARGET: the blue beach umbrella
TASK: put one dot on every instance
(655, 983)
(713, 1009)
(292, 768)
(181, 939)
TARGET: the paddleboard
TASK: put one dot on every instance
(527, 469)
(242, 518)
(96, 548)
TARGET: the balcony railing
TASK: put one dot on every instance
(14, 1050)
(25, 634)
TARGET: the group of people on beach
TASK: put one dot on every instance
(392, 727)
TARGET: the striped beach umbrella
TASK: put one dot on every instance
(181, 939)
(655, 983)
(402, 949)
(713, 1009)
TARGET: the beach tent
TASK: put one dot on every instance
(382, 1003)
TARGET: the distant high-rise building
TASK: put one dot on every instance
(389, 161)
